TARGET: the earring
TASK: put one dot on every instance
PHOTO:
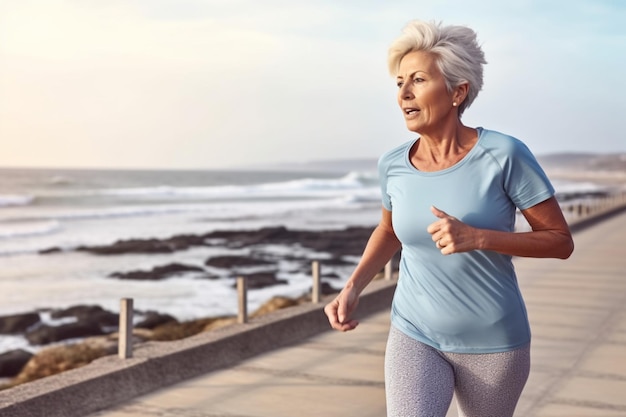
(454, 104)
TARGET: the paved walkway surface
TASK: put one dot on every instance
(577, 310)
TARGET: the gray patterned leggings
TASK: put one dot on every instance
(420, 380)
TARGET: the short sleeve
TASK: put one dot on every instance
(383, 169)
(525, 182)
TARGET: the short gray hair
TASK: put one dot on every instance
(458, 54)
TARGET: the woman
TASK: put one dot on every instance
(458, 321)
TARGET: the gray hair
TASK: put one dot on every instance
(458, 54)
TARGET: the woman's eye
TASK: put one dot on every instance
(418, 80)
(400, 84)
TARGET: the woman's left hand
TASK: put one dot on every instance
(450, 234)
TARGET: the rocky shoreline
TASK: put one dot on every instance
(77, 335)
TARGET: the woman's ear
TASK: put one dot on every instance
(460, 93)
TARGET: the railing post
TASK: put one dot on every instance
(125, 339)
(242, 296)
(388, 271)
(316, 291)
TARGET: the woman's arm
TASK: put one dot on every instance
(381, 246)
(550, 236)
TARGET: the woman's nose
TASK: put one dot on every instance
(405, 91)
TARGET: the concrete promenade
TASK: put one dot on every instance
(577, 310)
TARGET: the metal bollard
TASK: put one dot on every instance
(242, 296)
(125, 339)
(316, 291)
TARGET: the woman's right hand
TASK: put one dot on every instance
(341, 308)
(380, 247)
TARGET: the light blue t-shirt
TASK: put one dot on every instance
(465, 302)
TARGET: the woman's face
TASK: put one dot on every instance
(423, 97)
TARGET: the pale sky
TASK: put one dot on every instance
(240, 83)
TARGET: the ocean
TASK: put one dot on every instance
(54, 208)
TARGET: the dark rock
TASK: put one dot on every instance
(153, 319)
(331, 275)
(262, 280)
(336, 262)
(88, 313)
(230, 261)
(243, 238)
(172, 244)
(130, 246)
(50, 250)
(12, 362)
(349, 241)
(328, 289)
(157, 273)
(17, 323)
(48, 334)
(211, 277)
(186, 241)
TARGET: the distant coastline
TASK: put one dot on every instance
(566, 164)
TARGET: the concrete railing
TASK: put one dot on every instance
(125, 340)
(588, 212)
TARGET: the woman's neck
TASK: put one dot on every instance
(440, 150)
